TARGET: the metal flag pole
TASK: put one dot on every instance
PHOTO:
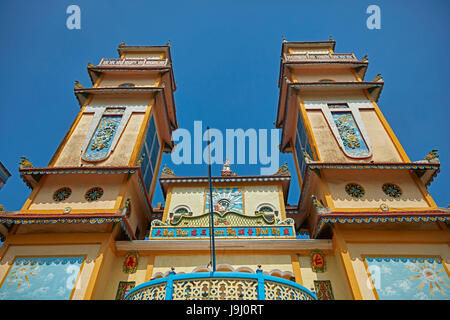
(211, 211)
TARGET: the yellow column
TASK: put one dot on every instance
(344, 255)
(150, 264)
(296, 268)
(167, 205)
(93, 280)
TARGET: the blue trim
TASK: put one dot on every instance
(261, 290)
(259, 276)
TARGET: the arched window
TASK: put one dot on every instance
(181, 210)
(127, 85)
(266, 209)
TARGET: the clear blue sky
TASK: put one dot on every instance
(226, 63)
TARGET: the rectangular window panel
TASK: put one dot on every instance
(154, 154)
(337, 106)
(147, 165)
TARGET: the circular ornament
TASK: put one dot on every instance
(354, 190)
(62, 194)
(392, 190)
(93, 194)
(130, 263)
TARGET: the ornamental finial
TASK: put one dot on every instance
(166, 170)
(78, 85)
(226, 170)
(378, 78)
(284, 38)
(330, 38)
(283, 170)
(25, 163)
(316, 202)
(306, 155)
(432, 156)
(139, 162)
(364, 59)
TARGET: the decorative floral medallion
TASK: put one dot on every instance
(62, 194)
(392, 190)
(317, 261)
(130, 262)
(354, 190)
(93, 194)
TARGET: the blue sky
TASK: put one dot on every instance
(226, 63)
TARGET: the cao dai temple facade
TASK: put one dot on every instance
(364, 227)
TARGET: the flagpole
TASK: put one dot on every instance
(211, 210)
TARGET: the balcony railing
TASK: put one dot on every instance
(220, 286)
(133, 62)
(320, 57)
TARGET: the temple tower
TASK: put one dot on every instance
(109, 159)
(347, 157)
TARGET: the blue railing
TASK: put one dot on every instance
(220, 286)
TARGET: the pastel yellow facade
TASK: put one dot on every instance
(365, 225)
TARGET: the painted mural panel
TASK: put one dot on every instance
(225, 200)
(41, 278)
(350, 135)
(100, 143)
(400, 278)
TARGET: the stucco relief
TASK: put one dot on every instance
(105, 130)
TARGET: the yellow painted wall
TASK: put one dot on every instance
(138, 216)
(382, 146)
(333, 272)
(320, 95)
(188, 263)
(316, 74)
(79, 184)
(121, 99)
(71, 154)
(193, 197)
(383, 149)
(139, 79)
(255, 195)
(372, 182)
(112, 273)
